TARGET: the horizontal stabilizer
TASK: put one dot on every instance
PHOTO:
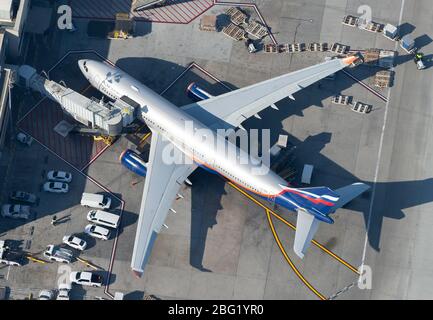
(306, 227)
(349, 193)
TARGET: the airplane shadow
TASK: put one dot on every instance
(157, 74)
(204, 209)
(205, 203)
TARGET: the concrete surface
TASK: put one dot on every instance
(219, 244)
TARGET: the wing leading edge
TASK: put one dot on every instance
(232, 108)
(160, 188)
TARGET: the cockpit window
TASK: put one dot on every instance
(85, 66)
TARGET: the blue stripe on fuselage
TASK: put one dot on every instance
(287, 200)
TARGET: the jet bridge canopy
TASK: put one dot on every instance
(110, 118)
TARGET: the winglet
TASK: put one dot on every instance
(353, 60)
(349, 60)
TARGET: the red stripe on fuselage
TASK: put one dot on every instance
(314, 200)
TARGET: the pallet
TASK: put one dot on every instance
(256, 30)
(271, 48)
(383, 79)
(350, 21)
(372, 27)
(236, 16)
(360, 107)
(342, 100)
(339, 48)
(295, 47)
(371, 57)
(234, 32)
(318, 47)
(379, 58)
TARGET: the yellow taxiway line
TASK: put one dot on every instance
(317, 244)
(300, 276)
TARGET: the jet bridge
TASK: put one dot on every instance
(110, 118)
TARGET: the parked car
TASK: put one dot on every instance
(22, 196)
(24, 139)
(103, 218)
(46, 295)
(97, 231)
(75, 242)
(57, 254)
(56, 187)
(15, 211)
(95, 200)
(59, 176)
(86, 278)
(63, 292)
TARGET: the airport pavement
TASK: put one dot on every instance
(397, 249)
(219, 244)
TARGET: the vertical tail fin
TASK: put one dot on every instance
(319, 201)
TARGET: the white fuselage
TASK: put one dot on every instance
(170, 121)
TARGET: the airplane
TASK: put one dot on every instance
(168, 124)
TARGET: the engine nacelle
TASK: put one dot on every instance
(132, 161)
(196, 93)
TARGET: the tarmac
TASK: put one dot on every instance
(221, 244)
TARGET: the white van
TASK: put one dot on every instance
(103, 218)
(94, 200)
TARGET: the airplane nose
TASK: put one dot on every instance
(82, 64)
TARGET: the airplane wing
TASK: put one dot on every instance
(307, 224)
(160, 189)
(229, 110)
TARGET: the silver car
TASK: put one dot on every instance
(15, 211)
(23, 196)
(56, 187)
(75, 242)
(97, 231)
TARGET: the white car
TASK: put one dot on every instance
(63, 292)
(75, 242)
(97, 231)
(46, 295)
(59, 176)
(86, 278)
(15, 211)
(56, 187)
